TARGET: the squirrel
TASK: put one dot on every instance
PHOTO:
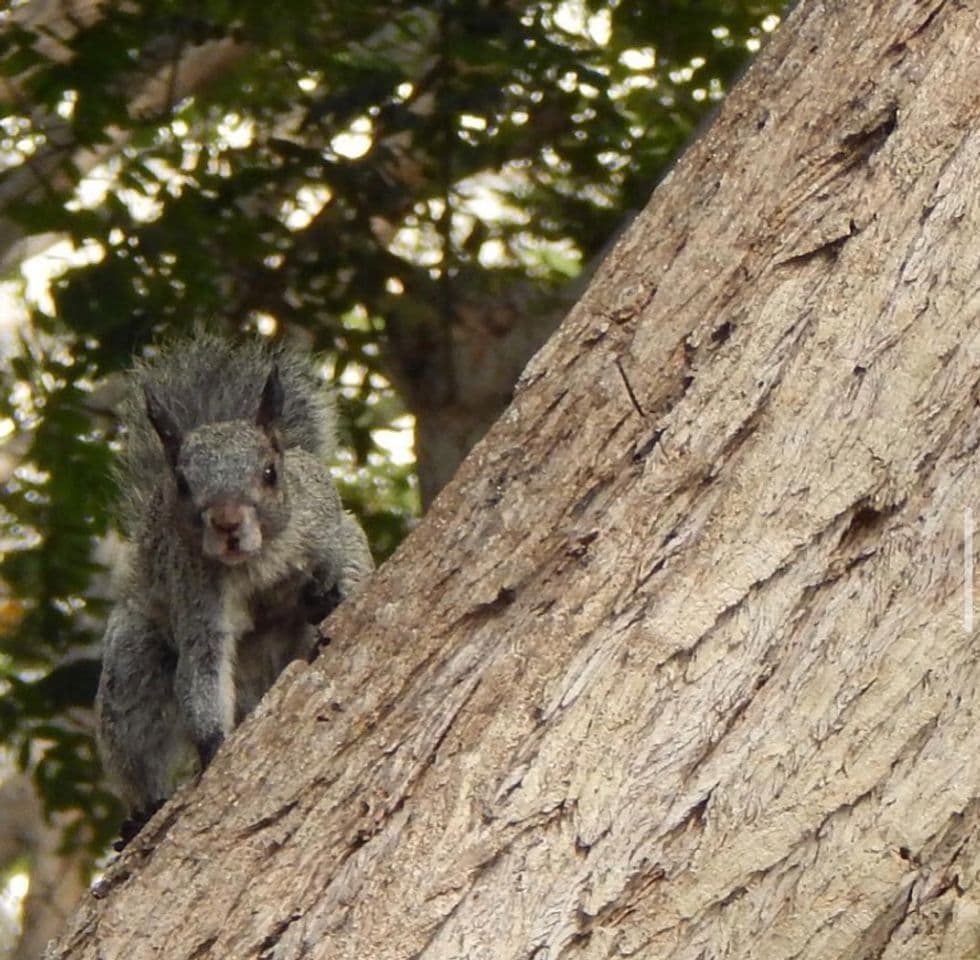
(236, 546)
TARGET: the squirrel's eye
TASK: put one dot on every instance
(183, 490)
(269, 475)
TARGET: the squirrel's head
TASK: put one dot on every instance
(226, 479)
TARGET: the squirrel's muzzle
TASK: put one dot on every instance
(232, 533)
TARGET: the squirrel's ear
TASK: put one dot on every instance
(270, 406)
(165, 426)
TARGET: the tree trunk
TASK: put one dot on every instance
(458, 376)
(681, 664)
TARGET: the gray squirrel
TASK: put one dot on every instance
(237, 545)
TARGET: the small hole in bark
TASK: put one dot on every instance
(865, 521)
(722, 333)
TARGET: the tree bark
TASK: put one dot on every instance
(682, 663)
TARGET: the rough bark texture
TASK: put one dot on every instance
(456, 371)
(679, 665)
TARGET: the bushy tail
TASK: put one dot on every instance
(206, 378)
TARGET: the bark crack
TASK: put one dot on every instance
(861, 145)
(270, 942)
(629, 388)
(267, 821)
(828, 250)
(903, 908)
(203, 948)
(924, 26)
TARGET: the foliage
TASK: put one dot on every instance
(333, 178)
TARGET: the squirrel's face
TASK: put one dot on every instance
(229, 490)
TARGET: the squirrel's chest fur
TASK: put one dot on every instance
(257, 608)
(269, 630)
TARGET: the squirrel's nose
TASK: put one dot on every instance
(225, 517)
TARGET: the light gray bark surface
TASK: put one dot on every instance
(680, 664)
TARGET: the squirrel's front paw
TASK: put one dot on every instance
(317, 601)
(207, 748)
(135, 822)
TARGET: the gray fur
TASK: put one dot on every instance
(238, 543)
(216, 380)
